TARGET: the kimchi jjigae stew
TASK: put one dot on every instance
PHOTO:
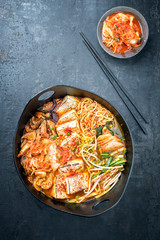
(73, 149)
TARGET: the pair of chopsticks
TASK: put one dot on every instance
(116, 84)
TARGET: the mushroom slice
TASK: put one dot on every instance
(24, 149)
(29, 135)
(51, 127)
(43, 128)
(28, 128)
(35, 122)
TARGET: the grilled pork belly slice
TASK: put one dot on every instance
(43, 129)
(52, 155)
(72, 166)
(77, 183)
(71, 140)
(68, 103)
(64, 128)
(108, 143)
(59, 189)
(68, 116)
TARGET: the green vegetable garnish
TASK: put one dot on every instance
(108, 123)
(105, 170)
(100, 128)
(109, 161)
(80, 145)
(90, 166)
(68, 133)
(54, 137)
(117, 133)
(99, 131)
(124, 152)
(120, 162)
(107, 126)
(117, 40)
(112, 133)
(96, 174)
(77, 197)
(118, 158)
(105, 155)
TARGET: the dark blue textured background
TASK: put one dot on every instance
(40, 47)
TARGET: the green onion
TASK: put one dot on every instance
(120, 162)
(68, 133)
(96, 174)
(109, 161)
(124, 152)
(80, 145)
(104, 155)
(54, 137)
(90, 166)
(77, 197)
(120, 157)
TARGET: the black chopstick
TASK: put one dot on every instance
(117, 88)
(114, 77)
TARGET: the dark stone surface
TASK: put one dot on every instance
(40, 47)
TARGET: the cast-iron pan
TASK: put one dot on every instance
(91, 207)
